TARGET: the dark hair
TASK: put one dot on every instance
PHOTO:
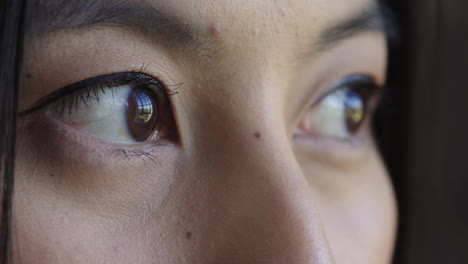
(11, 48)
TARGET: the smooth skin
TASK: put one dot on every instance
(238, 185)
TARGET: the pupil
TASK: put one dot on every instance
(141, 114)
(354, 111)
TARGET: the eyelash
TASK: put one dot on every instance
(70, 96)
(370, 94)
(365, 83)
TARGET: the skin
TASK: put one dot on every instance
(238, 185)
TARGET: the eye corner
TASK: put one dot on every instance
(95, 106)
(342, 114)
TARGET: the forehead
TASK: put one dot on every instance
(267, 12)
(235, 24)
(262, 19)
(249, 16)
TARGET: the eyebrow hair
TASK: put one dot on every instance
(55, 15)
(371, 19)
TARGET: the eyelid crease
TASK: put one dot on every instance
(94, 84)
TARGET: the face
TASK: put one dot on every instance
(226, 131)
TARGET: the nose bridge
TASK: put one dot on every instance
(268, 211)
(264, 207)
(279, 221)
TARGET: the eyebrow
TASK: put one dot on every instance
(371, 19)
(56, 15)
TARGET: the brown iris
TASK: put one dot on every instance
(142, 113)
(354, 111)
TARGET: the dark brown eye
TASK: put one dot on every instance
(354, 111)
(358, 100)
(142, 113)
(123, 108)
(342, 111)
(124, 114)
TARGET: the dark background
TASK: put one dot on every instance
(423, 130)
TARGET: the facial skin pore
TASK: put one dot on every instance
(239, 184)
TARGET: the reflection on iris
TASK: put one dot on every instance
(144, 107)
(354, 107)
(141, 113)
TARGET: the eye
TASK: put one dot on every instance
(125, 108)
(342, 112)
(123, 114)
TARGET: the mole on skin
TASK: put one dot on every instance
(213, 31)
(188, 235)
(257, 135)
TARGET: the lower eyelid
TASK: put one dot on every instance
(335, 152)
(67, 143)
(347, 147)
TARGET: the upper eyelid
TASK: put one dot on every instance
(74, 99)
(98, 82)
(351, 79)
